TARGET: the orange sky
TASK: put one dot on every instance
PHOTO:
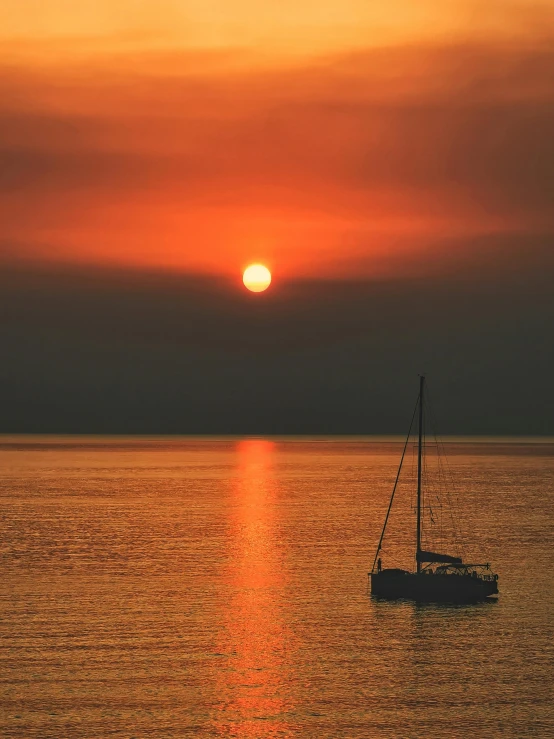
(281, 25)
(321, 138)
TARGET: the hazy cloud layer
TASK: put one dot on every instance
(354, 162)
(92, 350)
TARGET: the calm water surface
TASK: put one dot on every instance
(219, 589)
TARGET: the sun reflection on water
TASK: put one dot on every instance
(254, 679)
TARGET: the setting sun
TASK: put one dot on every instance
(256, 278)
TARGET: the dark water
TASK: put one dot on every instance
(219, 588)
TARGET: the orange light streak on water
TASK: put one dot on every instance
(254, 680)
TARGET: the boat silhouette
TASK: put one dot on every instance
(437, 577)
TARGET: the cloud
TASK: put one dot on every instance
(349, 159)
(98, 350)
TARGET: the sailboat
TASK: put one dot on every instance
(437, 577)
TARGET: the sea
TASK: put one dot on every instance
(203, 587)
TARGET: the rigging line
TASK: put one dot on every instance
(395, 486)
(455, 518)
(441, 530)
(440, 473)
(429, 489)
(455, 514)
(441, 458)
(441, 485)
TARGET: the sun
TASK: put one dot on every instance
(257, 278)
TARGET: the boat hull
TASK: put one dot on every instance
(423, 587)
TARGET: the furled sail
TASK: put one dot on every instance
(423, 556)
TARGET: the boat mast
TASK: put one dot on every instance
(419, 457)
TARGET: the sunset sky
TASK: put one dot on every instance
(383, 144)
